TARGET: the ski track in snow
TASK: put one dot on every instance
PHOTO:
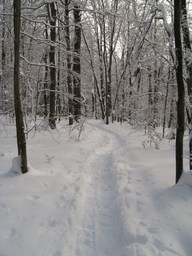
(100, 230)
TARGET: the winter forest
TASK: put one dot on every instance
(95, 127)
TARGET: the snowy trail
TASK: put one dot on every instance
(100, 231)
(104, 195)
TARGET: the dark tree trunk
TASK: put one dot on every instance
(68, 48)
(45, 88)
(58, 105)
(58, 102)
(101, 82)
(45, 97)
(21, 141)
(181, 90)
(157, 73)
(52, 21)
(188, 52)
(102, 89)
(3, 58)
(156, 78)
(109, 71)
(105, 63)
(77, 64)
(93, 103)
(166, 101)
(3, 52)
(172, 114)
(150, 100)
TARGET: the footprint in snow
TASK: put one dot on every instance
(49, 158)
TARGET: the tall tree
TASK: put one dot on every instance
(68, 48)
(3, 57)
(181, 90)
(112, 46)
(21, 141)
(52, 20)
(45, 98)
(77, 63)
(188, 64)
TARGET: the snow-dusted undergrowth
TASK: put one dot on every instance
(104, 195)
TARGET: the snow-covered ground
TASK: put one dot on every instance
(104, 195)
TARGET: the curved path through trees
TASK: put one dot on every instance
(100, 231)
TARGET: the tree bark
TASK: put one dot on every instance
(52, 21)
(188, 54)
(68, 48)
(45, 87)
(3, 58)
(21, 141)
(181, 90)
(58, 101)
(101, 70)
(166, 101)
(77, 63)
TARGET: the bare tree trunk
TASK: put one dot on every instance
(181, 90)
(188, 53)
(3, 57)
(21, 141)
(105, 63)
(156, 79)
(68, 48)
(111, 51)
(52, 21)
(58, 102)
(77, 64)
(166, 101)
(101, 70)
(3, 52)
(45, 87)
(150, 100)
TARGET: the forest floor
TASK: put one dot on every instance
(110, 193)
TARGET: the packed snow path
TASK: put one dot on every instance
(100, 231)
(104, 195)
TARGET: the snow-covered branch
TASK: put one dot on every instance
(168, 27)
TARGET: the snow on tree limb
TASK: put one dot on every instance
(169, 28)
